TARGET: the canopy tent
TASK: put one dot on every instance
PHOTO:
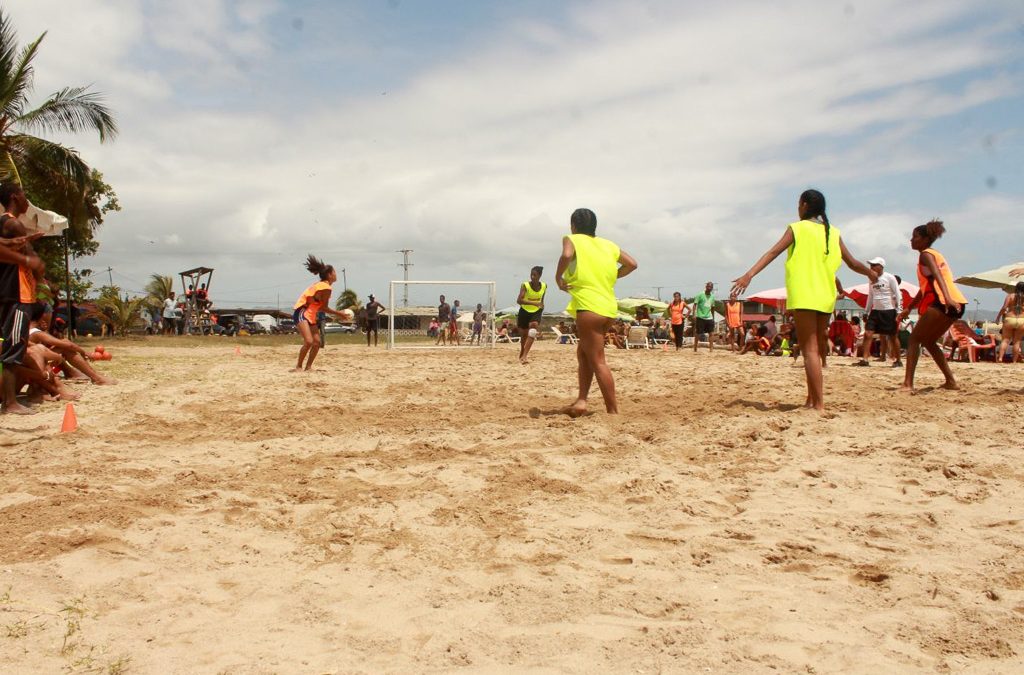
(859, 293)
(997, 278)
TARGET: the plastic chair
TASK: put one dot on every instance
(563, 338)
(967, 340)
(636, 338)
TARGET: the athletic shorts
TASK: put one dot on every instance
(372, 324)
(705, 325)
(949, 311)
(882, 321)
(14, 318)
(299, 316)
(524, 318)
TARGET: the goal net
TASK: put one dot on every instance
(413, 307)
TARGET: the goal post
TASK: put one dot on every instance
(413, 304)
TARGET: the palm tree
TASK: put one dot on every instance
(25, 157)
(347, 300)
(157, 290)
(121, 313)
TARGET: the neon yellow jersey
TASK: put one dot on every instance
(592, 276)
(532, 298)
(810, 273)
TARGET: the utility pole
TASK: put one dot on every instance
(405, 265)
(110, 276)
(658, 288)
(344, 279)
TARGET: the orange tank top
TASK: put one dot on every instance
(27, 282)
(309, 301)
(676, 312)
(732, 314)
(929, 284)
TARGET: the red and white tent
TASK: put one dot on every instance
(859, 293)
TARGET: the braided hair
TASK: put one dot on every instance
(1018, 297)
(815, 202)
(318, 267)
(585, 221)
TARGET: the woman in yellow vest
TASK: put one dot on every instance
(815, 252)
(531, 308)
(587, 270)
(939, 303)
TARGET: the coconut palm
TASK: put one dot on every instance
(25, 158)
(120, 312)
(347, 300)
(158, 289)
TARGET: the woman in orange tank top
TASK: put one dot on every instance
(939, 304)
(315, 299)
(677, 313)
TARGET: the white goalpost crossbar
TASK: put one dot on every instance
(490, 308)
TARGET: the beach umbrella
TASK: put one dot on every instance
(465, 317)
(997, 278)
(630, 305)
(49, 223)
(511, 310)
(859, 293)
(775, 297)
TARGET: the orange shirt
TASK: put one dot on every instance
(27, 282)
(929, 284)
(676, 312)
(308, 301)
(732, 314)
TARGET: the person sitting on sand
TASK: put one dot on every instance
(75, 357)
(433, 328)
(588, 269)
(841, 336)
(939, 304)
(314, 300)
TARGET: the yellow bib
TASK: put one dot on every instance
(532, 298)
(592, 276)
(810, 273)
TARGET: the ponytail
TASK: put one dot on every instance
(318, 267)
(931, 231)
(815, 202)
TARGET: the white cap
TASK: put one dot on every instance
(877, 261)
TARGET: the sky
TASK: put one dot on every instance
(253, 132)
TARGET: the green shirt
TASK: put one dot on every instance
(704, 302)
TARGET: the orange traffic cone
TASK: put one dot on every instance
(70, 422)
(238, 350)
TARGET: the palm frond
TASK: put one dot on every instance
(61, 165)
(158, 288)
(122, 313)
(71, 109)
(8, 169)
(16, 82)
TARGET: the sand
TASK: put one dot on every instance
(418, 511)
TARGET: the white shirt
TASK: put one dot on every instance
(885, 294)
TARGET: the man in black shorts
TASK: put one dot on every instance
(373, 309)
(16, 256)
(444, 312)
(884, 303)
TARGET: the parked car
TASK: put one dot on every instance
(268, 322)
(333, 327)
(286, 326)
(254, 328)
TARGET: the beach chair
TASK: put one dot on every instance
(657, 342)
(508, 339)
(563, 338)
(967, 342)
(636, 338)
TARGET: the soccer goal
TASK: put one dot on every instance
(413, 307)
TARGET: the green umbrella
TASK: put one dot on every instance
(630, 305)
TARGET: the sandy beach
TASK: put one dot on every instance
(419, 510)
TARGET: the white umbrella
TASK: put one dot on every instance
(997, 278)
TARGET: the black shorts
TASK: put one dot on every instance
(705, 325)
(949, 311)
(882, 321)
(524, 318)
(372, 324)
(14, 317)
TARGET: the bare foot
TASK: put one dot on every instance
(295, 370)
(105, 381)
(17, 409)
(68, 395)
(907, 389)
(577, 409)
(952, 386)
